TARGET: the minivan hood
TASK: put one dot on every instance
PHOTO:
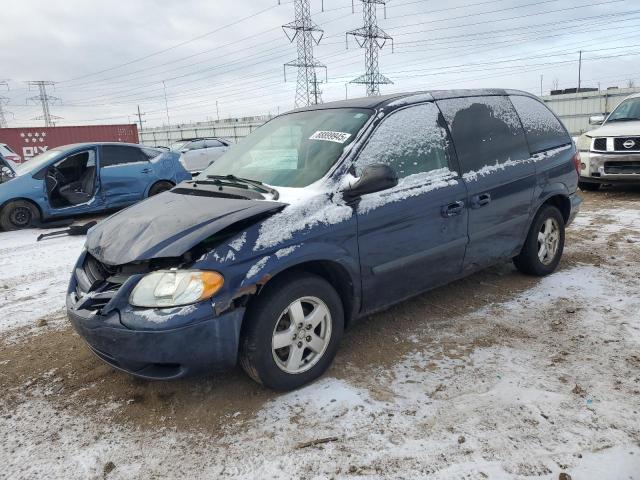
(168, 225)
(617, 129)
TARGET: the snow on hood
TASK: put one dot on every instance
(617, 129)
(168, 225)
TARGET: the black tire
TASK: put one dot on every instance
(19, 214)
(528, 261)
(160, 187)
(589, 186)
(267, 310)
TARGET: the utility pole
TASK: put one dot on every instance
(217, 111)
(45, 100)
(305, 33)
(541, 78)
(316, 93)
(3, 102)
(140, 115)
(166, 107)
(372, 38)
(580, 71)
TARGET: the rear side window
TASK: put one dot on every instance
(486, 131)
(198, 145)
(412, 140)
(213, 143)
(542, 128)
(121, 155)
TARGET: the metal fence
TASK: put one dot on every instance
(231, 129)
(574, 109)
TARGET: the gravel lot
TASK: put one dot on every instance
(496, 376)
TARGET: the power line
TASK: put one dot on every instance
(372, 38)
(173, 47)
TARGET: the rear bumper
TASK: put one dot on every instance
(161, 354)
(576, 201)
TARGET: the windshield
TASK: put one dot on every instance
(176, 147)
(627, 110)
(292, 150)
(36, 162)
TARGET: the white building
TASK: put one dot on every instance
(574, 109)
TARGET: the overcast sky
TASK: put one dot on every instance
(110, 57)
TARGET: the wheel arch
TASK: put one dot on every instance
(161, 180)
(23, 199)
(336, 274)
(561, 202)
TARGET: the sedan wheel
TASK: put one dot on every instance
(18, 214)
(301, 335)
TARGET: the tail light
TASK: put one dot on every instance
(577, 163)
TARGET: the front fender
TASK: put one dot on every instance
(24, 188)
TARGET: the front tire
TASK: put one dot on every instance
(19, 214)
(543, 248)
(292, 331)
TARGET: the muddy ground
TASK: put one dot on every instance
(46, 370)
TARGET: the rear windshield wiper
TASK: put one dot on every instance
(233, 180)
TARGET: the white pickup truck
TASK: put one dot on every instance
(611, 153)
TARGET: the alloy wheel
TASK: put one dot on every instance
(301, 335)
(548, 241)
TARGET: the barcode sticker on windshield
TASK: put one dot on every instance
(337, 137)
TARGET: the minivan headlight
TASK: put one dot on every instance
(175, 288)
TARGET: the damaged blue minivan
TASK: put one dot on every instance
(321, 216)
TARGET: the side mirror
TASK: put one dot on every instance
(596, 120)
(184, 150)
(374, 178)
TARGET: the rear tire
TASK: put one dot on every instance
(543, 248)
(589, 186)
(292, 331)
(160, 187)
(19, 214)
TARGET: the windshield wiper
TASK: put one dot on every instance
(233, 180)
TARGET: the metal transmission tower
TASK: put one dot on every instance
(372, 38)
(305, 33)
(3, 101)
(44, 99)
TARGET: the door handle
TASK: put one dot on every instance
(481, 200)
(146, 170)
(452, 209)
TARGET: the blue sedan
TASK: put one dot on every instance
(84, 178)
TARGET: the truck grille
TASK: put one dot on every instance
(622, 168)
(626, 144)
(600, 144)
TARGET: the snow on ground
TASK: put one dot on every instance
(542, 381)
(34, 276)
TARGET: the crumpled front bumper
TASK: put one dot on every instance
(610, 167)
(170, 343)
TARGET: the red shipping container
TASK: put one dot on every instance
(31, 141)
